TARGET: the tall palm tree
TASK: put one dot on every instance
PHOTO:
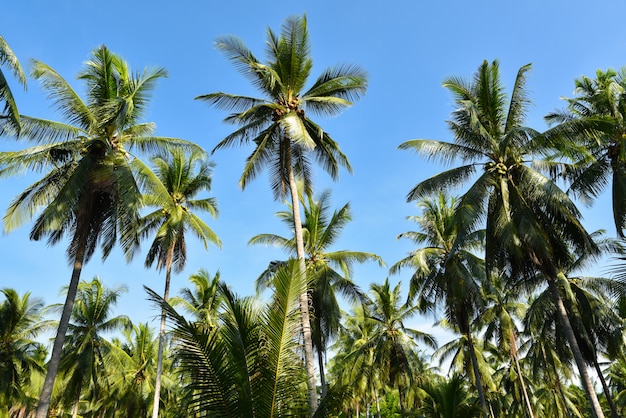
(531, 224)
(447, 274)
(594, 123)
(284, 136)
(10, 112)
(20, 354)
(82, 360)
(171, 189)
(249, 365)
(87, 191)
(329, 271)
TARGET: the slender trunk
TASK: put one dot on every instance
(377, 404)
(159, 370)
(320, 361)
(53, 366)
(75, 409)
(477, 379)
(605, 388)
(596, 409)
(518, 369)
(304, 298)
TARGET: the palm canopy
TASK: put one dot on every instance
(9, 60)
(329, 271)
(20, 354)
(82, 360)
(278, 123)
(444, 274)
(527, 215)
(171, 189)
(592, 133)
(86, 158)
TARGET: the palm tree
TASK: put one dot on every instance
(448, 398)
(393, 343)
(329, 271)
(248, 366)
(356, 374)
(531, 224)
(20, 353)
(501, 315)
(133, 366)
(447, 274)
(204, 300)
(284, 136)
(82, 360)
(10, 113)
(172, 189)
(592, 131)
(88, 190)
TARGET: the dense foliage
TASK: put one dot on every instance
(501, 267)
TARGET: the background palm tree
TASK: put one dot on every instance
(392, 342)
(329, 272)
(592, 132)
(172, 189)
(132, 362)
(10, 112)
(203, 300)
(82, 360)
(447, 273)
(88, 190)
(284, 136)
(20, 353)
(531, 224)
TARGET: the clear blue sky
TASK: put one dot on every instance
(407, 47)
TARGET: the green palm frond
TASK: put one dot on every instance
(63, 96)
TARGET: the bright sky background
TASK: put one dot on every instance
(408, 49)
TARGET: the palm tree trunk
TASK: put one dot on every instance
(159, 371)
(304, 298)
(53, 366)
(605, 388)
(596, 409)
(518, 369)
(477, 378)
(320, 362)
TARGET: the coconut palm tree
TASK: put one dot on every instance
(249, 365)
(204, 300)
(531, 224)
(592, 132)
(132, 362)
(393, 343)
(329, 272)
(502, 313)
(10, 112)
(88, 190)
(448, 398)
(82, 360)
(171, 189)
(20, 353)
(285, 137)
(448, 275)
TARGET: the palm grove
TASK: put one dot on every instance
(499, 266)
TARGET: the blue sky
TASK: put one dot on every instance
(407, 47)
